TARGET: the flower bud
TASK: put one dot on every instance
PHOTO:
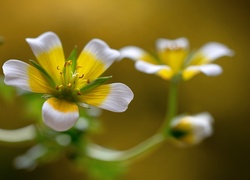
(191, 130)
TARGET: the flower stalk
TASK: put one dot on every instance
(131, 155)
(171, 106)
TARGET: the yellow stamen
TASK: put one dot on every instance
(69, 85)
(70, 80)
(81, 76)
(79, 92)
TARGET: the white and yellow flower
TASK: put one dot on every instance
(68, 83)
(192, 129)
(173, 57)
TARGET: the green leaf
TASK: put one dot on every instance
(97, 82)
(73, 58)
(46, 75)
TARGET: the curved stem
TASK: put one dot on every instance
(104, 154)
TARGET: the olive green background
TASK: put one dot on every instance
(223, 156)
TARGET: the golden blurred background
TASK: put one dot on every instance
(224, 156)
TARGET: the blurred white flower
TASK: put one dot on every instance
(192, 129)
(173, 57)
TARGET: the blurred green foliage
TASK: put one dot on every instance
(7, 92)
(104, 170)
(51, 145)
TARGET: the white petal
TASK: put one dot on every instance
(58, 119)
(102, 51)
(118, 99)
(207, 69)
(214, 50)
(132, 52)
(49, 53)
(44, 43)
(163, 44)
(149, 68)
(94, 59)
(201, 124)
(25, 76)
(16, 74)
(205, 116)
(211, 69)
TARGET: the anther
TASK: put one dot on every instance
(59, 87)
(174, 47)
(79, 92)
(81, 76)
(77, 67)
(69, 85)
(69, 62)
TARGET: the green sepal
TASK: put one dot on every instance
(97, 82)
(73, 58)
(46, 75)
(178, 133)
(189, 58)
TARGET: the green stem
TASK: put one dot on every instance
(104, 154)
(171, 107)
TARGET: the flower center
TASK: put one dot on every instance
(68, 87)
